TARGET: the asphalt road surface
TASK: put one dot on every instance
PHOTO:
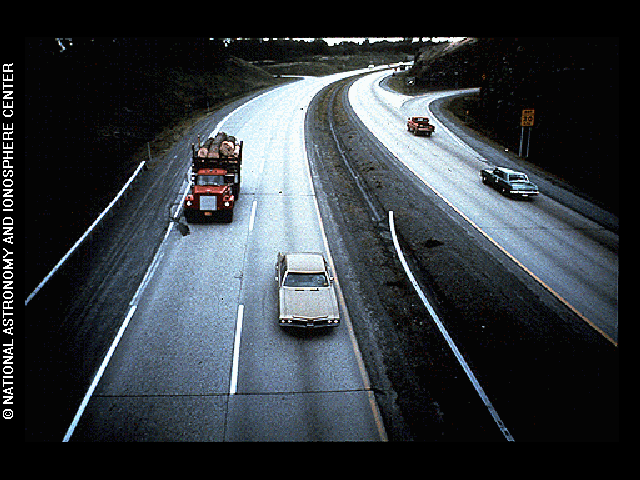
(202, 358)
(570, 254)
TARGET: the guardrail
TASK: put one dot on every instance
(86, 234)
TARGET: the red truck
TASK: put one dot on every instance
(215, 179)
(419, 125)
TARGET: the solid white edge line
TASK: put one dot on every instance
(233, 385)
(444, 332)
(133, 305)
(145, 281)
(224, 120)
(149, 274)
(85, 234)
(455, 137)
(98, 375)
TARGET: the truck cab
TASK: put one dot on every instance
(211, 195)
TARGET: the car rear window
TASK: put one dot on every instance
(305, 280)
(517, 178)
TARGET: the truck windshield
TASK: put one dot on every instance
(305, 280)
(210, 180)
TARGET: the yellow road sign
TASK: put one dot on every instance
(527, 118)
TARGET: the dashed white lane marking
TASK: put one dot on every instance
(253, 215)
(233, 385)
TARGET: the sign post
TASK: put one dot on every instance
(526, 120)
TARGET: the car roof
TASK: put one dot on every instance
(305, 262)
(508, 170)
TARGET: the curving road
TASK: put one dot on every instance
(571, 255)
(202, 357)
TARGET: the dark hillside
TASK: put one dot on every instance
(90, 111)
(92, 104)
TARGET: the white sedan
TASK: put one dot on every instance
(305, 290)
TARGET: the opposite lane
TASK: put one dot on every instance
(573, 256)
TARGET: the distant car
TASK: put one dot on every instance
(509, 182)
(420, 125)
(305, 291)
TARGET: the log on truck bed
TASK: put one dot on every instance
(222, 145)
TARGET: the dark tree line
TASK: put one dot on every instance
(282, 49)
(195, 52)
(142, 52)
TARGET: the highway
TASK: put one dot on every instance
(571, 255)
(202, 357)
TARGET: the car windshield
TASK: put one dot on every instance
(421, 119)
(305, 280)
(210, 180)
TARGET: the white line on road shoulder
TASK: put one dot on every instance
(85, 234)
(132, 308)
(253, 215)
(233, 385)
(98, 375)
(444, 332)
